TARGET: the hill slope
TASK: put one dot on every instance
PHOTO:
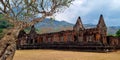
(48, 25)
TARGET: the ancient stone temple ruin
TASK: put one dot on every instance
(78, 37)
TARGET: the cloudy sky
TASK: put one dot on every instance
(90, 10)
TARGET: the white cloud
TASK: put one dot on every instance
(89, 10)
(70, 12)
(115, 4)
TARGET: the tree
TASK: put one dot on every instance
(118, 33)
(3, 25)
(22, 14)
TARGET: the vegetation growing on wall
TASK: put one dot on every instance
(118, 33)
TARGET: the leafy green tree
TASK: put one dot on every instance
(1, 30)
(118, 33)
(22, 14)
(1, 33)
(3, 25)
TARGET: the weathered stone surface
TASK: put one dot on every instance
(78, 35)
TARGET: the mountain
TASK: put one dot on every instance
(87, 26)
(53, 23)
(113, 29)
(48, 25)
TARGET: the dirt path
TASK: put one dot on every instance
(64, 55)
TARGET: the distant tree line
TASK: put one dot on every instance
(4, 24)
(118, 33)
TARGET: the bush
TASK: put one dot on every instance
(4, 24)
(118, 33)
(1, 30)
